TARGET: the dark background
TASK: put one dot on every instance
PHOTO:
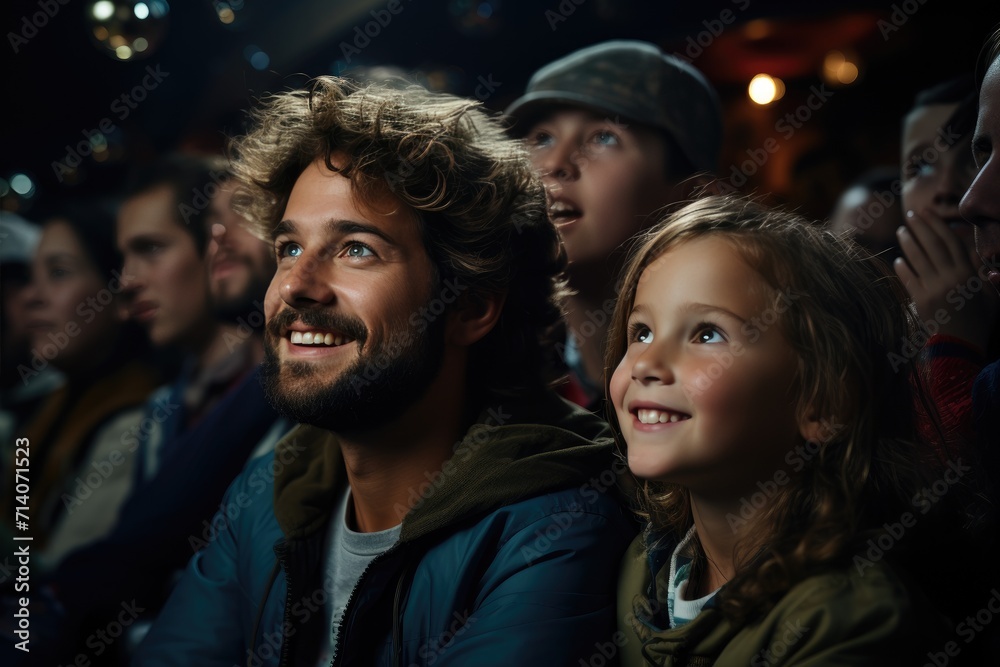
(62, 82)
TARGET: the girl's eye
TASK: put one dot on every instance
(640, 333)
(357, 249)
(605, 138)
(288, 249)
(708, 333)
(56, 273)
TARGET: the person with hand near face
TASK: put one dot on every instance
(945, 272)
(773, 442)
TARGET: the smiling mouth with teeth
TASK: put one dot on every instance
(318, 338)
(647, 416)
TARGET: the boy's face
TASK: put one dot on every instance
(937, 166)
(603, 180)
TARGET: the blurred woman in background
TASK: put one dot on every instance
(80, 460)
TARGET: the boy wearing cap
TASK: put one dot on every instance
(620, 132)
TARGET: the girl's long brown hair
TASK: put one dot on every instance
(849, 324)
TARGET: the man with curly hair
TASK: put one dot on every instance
(438, 502)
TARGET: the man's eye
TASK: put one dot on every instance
(289, 249)
(356, 249)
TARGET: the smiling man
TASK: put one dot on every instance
(438, 502)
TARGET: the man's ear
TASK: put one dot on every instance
(473, 317)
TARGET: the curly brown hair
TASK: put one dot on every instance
(846, 321)
(480, 205)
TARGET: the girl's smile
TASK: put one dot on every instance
(704, 398)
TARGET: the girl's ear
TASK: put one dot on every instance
(473, 317)
(812, 427)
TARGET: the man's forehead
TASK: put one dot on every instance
(320, 193)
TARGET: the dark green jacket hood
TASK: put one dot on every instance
(514, 450)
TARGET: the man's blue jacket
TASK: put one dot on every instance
(508, 555)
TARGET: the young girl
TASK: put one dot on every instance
(785, 494)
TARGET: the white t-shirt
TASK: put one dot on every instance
(348, 554)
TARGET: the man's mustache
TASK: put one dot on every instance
(349, 326)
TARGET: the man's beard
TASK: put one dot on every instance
(374, 390)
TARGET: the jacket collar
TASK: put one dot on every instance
(513, 451)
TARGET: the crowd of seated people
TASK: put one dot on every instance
(440, 385)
